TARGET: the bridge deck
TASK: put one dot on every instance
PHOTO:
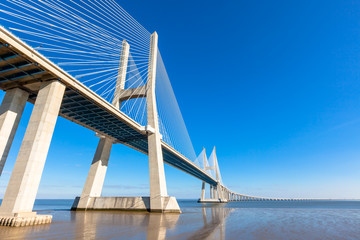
(22, 66)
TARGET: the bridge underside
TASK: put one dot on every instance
(18, 71)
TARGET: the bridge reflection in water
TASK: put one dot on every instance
(196, 223)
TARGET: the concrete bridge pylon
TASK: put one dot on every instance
(217, 192)
(159, 201)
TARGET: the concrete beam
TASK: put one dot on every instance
(131, 93)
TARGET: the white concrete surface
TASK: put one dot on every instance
(25, 221)
(25, 178)
(156, 164)
(96, 177)
(11, 110)
(127, 204)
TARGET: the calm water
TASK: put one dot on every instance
(235, 220)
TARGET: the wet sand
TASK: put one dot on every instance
(236, 220)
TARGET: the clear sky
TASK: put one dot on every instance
(274, 85)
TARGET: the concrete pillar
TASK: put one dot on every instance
(120, 82)
(25, 178)
(156, 164)
(96, 177)
(211, 192)
(219, 192)
(203, 184)
(203, 191)
(11, 110)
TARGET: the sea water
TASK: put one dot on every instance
(315, 219)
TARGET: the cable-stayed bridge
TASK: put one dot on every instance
(90, 62)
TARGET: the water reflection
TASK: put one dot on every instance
(237, 220)
(194, 223)
(214, 225)
(151, 226)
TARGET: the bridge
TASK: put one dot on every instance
(121, 91)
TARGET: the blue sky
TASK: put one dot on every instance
(274, 85)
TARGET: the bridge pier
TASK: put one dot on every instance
(158, 188)
(19, 198)
(202, 191)
(96, 176)
(159, 201)
(217, 190)
(11, 110)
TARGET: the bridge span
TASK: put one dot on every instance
(28, 76)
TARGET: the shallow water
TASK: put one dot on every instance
(234, 220)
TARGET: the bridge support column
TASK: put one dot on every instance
(221, 194)
(18, 202)
(11, 110)
(203, 191)
(158, 190)
(216, 196)
(96, 177)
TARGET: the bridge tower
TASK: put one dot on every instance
(202, 198)
(158, 201)
(217, 192)
(96, 177)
